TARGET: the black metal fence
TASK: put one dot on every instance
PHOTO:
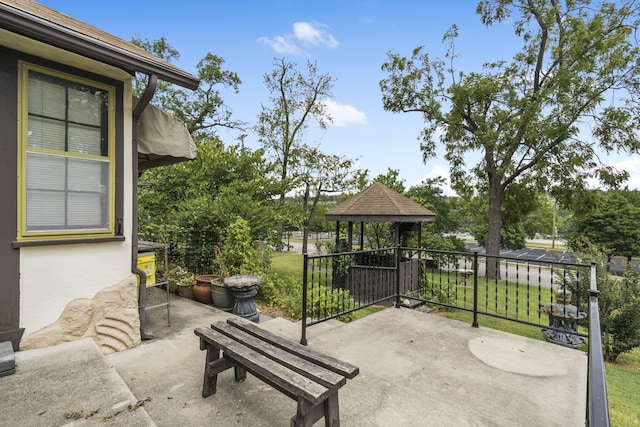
(514, 289)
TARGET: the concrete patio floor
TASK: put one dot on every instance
(416, 369)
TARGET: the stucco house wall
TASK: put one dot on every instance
(52, 276)
(43, 279)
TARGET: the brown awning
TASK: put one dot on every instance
(162, 139)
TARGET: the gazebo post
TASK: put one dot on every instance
(350, 237)
(396, 226)
(337, 234)
(361, 235)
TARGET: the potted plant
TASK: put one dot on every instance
(238, 256)
(221, 295)
(182, 281)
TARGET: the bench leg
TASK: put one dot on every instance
(304, 416)
(210, 375)
(308, 414)
(240, 373)
(332, 411)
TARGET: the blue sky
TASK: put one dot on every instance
(349, 40)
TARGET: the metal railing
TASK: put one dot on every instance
(509, 288)
(597, 402)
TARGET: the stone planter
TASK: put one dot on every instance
(222, 296)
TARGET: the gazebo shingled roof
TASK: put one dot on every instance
(379, 203)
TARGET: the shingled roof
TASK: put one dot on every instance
(38, 22)
(379, 203)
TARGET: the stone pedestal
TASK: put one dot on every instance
(244, 289)
(563, 318)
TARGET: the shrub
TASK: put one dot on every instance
(618, 301)
(324, 301)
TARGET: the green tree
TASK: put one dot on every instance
(612, 225)
(579, 63)
(191, 204)
(296, 99)
(317, 174)
(430, 195)
(618, 302)
(202, 110)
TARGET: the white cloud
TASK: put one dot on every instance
(314, 33)
(281, 44)
(631, 165)
(343, 114)
(304, 33)
(438, 171)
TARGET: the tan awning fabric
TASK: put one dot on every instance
(162, 139)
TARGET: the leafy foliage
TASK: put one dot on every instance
(429, 194)
(296, 99)
(190, 204)
(618, 301)
(579, 63)
(202, 110)
(239, 255)
(611, 224)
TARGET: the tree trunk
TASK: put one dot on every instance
(307, 221)
(492, 239)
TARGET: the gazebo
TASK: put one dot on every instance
(379, 203)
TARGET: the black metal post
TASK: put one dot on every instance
(475, 290)
(398, 276)
(303, 339)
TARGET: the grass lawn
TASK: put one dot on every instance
(623, 389)
(623, 377)
(288, 264)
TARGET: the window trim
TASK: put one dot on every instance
(23, 148)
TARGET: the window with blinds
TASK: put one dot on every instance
(67, 154)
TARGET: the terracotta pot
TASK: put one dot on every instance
(202, 288)
(202, 293)
(206, 279)
(185, 291)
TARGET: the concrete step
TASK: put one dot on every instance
(69, 384)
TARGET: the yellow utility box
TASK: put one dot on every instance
(147, 263)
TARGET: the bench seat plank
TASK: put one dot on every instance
(302, 366)
(338, 366)
(278, 376)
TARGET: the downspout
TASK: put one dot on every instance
(142, 289)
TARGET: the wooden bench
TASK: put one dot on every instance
(309, 377)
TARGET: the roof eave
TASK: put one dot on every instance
(44, 31)
(381, 218)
